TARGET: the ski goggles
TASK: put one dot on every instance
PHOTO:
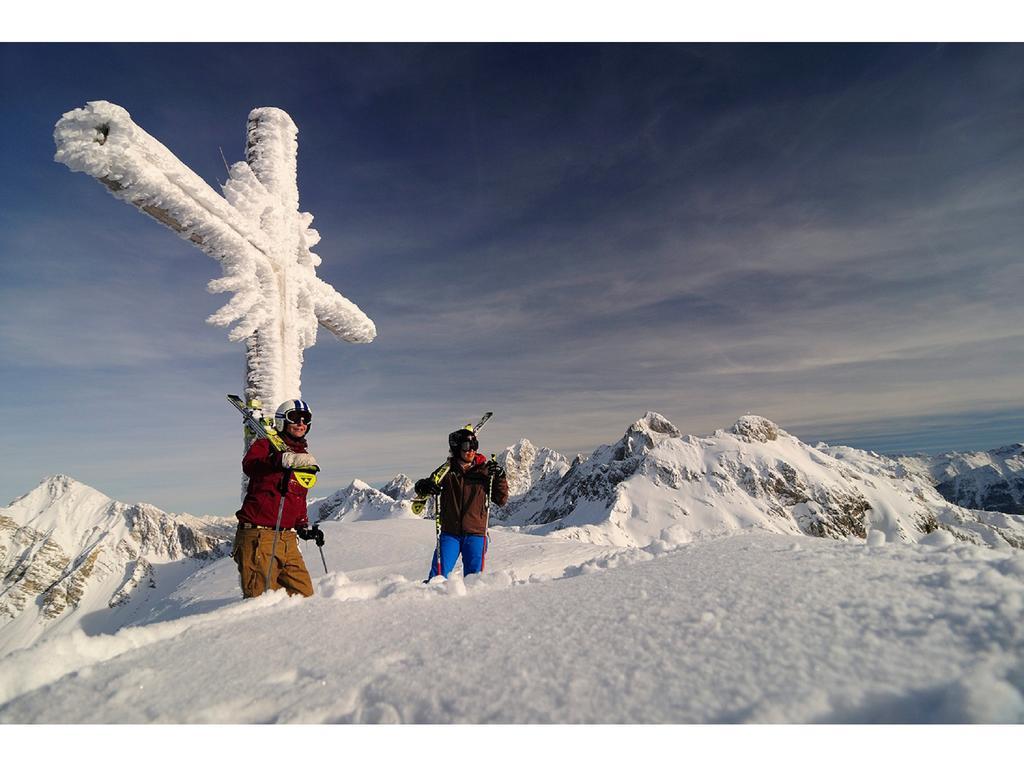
(299, 417)
(469, 445)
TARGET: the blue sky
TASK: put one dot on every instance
(569, 235)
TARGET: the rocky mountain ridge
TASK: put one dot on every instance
(655, 481)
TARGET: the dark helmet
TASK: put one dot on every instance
(462, 440)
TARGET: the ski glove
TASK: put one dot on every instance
(495, 470)
(426, 487)
(291, 460)
(313, 533)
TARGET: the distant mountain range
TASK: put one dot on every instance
(71, 557)
(656, 482)
(992, 480)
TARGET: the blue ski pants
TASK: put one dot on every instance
(472, 548)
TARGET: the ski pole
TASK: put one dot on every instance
(277, 528)
(490, 490)
(487, 507)
(437, 525)
(320, 546)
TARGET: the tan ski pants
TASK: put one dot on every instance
(252, 554)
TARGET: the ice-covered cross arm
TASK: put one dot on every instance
(255, 230)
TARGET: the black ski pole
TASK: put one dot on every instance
(437, 527)
(277, 529)
(319, 545)
(487, 505)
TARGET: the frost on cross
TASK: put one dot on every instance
(255, 231)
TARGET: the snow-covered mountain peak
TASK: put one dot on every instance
(359, 501)
(57, 485)
(521, 448)
(653, 427)
(399, 488)
(59, 493)
(756, 428)
(642, 436)
(67, 550)
(529, 466)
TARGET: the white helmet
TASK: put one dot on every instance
(292, 411)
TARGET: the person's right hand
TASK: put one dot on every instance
(426, 487)
(292, 460)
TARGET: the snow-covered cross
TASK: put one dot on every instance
(255, 231)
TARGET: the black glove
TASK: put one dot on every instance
(313, 533)
(426, 487)
(495, 470)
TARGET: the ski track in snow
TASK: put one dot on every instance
(754, 627)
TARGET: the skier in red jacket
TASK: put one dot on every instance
(271, 480)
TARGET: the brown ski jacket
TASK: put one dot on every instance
(463, 496)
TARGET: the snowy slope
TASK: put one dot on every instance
(754, 475)
(71, 557)
(760, 627)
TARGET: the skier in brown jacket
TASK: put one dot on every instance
(464, 504)
(256, 537)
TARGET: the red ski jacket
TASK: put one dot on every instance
(262, 465)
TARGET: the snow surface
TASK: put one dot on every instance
(758, 627)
